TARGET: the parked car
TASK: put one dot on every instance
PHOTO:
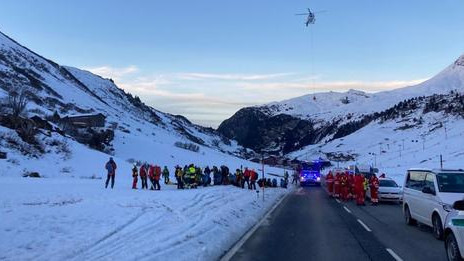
(428, 196)
(454, 232)
(389, 190)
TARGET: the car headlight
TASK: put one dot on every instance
(447, 207)
(318, 179)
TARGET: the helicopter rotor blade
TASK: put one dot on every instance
(302, 14)
(320, 12)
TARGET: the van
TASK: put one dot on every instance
(428, 196)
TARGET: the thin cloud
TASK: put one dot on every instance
(330, 85)
(231, 77)
(113, 72)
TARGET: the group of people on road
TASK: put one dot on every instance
(347, 186)
(192, 176)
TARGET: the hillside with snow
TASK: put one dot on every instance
(288, 126)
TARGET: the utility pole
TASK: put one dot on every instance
(262, 170)
(441, 161)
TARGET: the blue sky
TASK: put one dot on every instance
(205, 59)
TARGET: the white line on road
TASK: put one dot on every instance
(338, 200)
(394, 255)
(250, 232)
(364, 225)
(347, 209)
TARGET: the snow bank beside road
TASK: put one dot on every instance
(76, 219)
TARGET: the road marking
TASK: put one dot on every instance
(347, 209)
(337, 200)
(394, 255)
(242, 241)
(364, 225)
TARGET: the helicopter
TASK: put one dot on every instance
(311, 19)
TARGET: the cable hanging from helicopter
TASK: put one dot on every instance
(311, 19)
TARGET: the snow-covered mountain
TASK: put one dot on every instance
(315, 119)
(140, 132)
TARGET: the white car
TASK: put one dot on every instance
(388, 191)
(428, 196)
(454, 232)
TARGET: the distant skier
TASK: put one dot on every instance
(111, 168)
(134, 176)
(166, 175)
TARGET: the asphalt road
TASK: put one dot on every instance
(308, 225)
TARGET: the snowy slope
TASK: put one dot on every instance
(396, 145)
(328, 106)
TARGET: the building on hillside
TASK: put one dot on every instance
(85, 120)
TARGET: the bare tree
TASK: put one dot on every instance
(17, 100)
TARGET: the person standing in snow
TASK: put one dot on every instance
(179, 176)
(151, 176)
(134, 176)
(238, 178)
(157, 177)
(166, 175)
(111, 168)
(295, 177)
(286, 177)
(143, 176)
(246, 176)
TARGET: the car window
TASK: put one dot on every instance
(388, 183)
(429, 181)
(451, 182)
(416, 180)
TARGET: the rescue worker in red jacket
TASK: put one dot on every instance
(253, 179)
(359, 189)
(374, 187)
(134, 177)
(157, 177)
(337, 185)
(344, 186)
(329, 180)
(351, 193)
(143, 176)
(151, 176)
(246, 176)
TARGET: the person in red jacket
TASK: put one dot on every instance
(329, 181)
(143, 176)
(156, 178)
(134, 177)
(359, 189)
(151, 176)
(253, 179)
(246, 176)
(337, 185)
(344, 186)
(374, 187)
(351, 193)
